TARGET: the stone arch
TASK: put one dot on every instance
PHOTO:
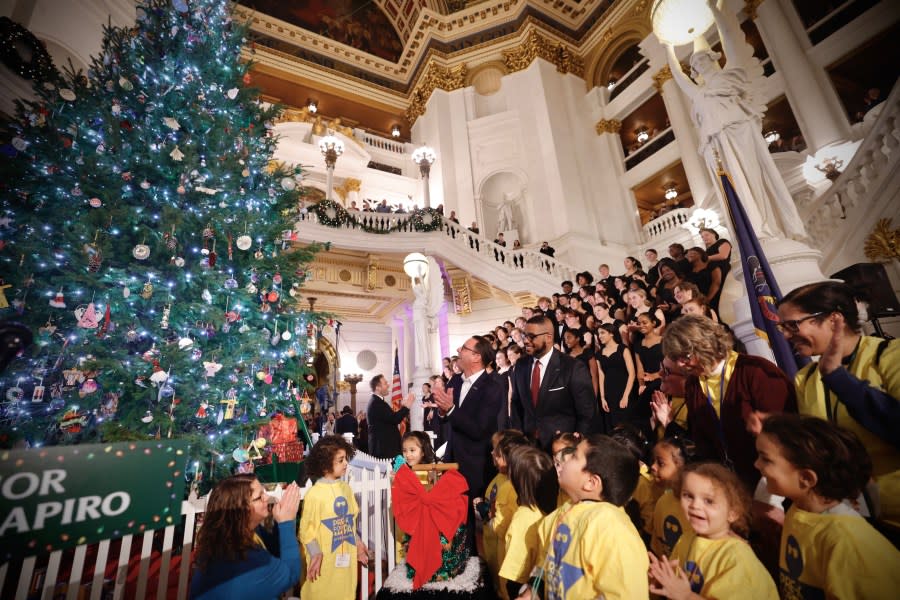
(625, 35)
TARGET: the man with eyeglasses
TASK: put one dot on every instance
(471, 409)
(551, 391)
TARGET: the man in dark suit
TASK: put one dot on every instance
(384, 437)
(471, 409)
(558, 395)
(346, 423)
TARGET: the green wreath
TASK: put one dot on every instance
(338, 216)
(18, 42)
(426, 219)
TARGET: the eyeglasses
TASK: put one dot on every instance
(793, 325)
(464, 347)
(684, 359)
(530, 336)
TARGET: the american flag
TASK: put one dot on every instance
(397, 390)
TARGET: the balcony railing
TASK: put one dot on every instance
(462, 242)
(669, 222)
(657, 143)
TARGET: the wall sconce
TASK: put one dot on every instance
(611, 84)
(312, 105)
(395, 131)
(671, 191)
(772, 136)
(642, 135)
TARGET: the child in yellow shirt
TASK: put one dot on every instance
(534, 479)
(717, 562)
(669, 522)
(827, 549)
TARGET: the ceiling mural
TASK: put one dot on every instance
(360, 24)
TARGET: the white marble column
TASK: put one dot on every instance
(807, 86)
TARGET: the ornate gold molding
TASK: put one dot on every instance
(434, 77)
(883, 244)
(750, 7)
(462, 297)
(608, 126)
(537, 46)
(348, 185)
(372, 273)
(661, 77)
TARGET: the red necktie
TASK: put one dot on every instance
(535, 382)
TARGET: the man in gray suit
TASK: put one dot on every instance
(551, 391)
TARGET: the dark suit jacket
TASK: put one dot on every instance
(346, 424)
(384, 437)
(565, 402)
(471, 428)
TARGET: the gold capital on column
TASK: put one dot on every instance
(661, 77)
(750, 7)
(608, 126)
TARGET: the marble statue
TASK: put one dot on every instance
(429, 297)
(727, 108)
(505, 221)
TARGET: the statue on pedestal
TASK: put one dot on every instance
(505, 220)
(727, 108)
(429, 297)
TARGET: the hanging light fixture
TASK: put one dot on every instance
(395, 131)
(772, 136)
(312, 105)
(642, 135)
(680, 21)
(671, 192)
(611, 84)
(415, 265)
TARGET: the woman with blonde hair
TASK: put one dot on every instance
(727, 394)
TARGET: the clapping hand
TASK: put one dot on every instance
(831, 358)
(667, 578)
(661, 409)
(286, 508)
(443, 399)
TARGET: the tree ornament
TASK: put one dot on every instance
(58, 301)
(72, 422)
(185, 343)
(244, 242)
(88, 387)
(125, 84)
(171, 240)
(67, 94)
(201, 411)
(177, 155)
(37, 395)
(87, 316)
(232, 93)
(147, 418)
(141, 252)
(171, 123)
(107, 321)
(212, 255)
(208, 232)
(95, 202)
(147, 290)
(164, 322)
(212, 367)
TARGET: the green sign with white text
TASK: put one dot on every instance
(63, 496)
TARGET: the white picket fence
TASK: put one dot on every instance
(369, 478)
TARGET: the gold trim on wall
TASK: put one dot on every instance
(434, 77)
(661, 77)
(608, 126)
(535, 46)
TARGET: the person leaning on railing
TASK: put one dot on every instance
(231, 560)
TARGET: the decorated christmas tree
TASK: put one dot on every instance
(146, 238)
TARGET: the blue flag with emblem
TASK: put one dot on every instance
(759, 280)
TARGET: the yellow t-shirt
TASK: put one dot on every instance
(596, 551)
(489, 537)
(725, 569)
(886, 377)
(835, 556)
(522, 545)
(547, 526)
(669, 525)
(329, 518)
(646, 494)
(505, 505)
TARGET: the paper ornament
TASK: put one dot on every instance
(158, 376)
(147, 418)
(67, 94)
(87, 319)
(212, 367)
(201, 411)
(185, 343)
(232, 93)
(176, 154)
(95, 202)
(172, 123)
(58, 301)
(72, 422)
(37, 395)
(88, 387)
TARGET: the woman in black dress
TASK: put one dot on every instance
(717, 250)
(617, 367)
(573, 340)
(649, 369)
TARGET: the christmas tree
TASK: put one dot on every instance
(146, 238)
